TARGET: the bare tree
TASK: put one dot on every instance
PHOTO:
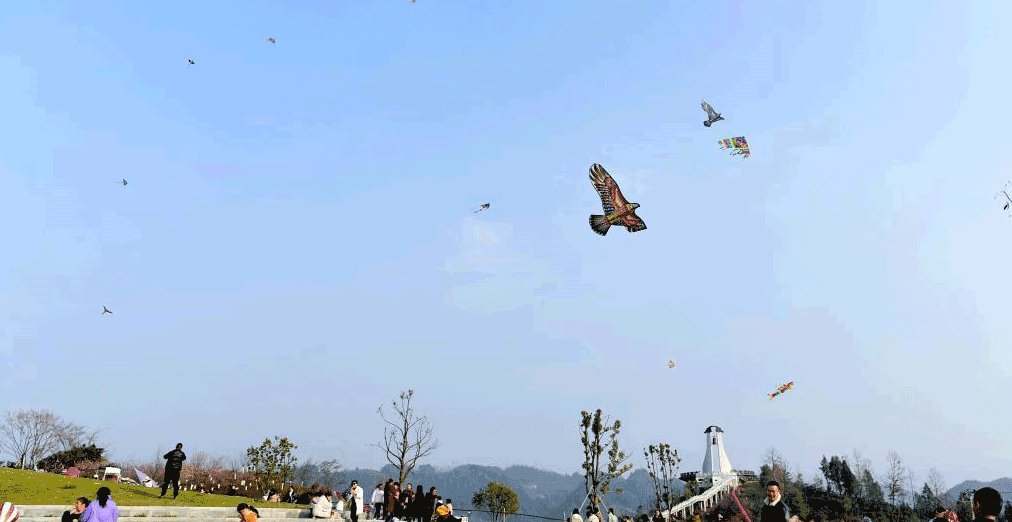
(406, 439)
(895, 477)
(778, 466)
(29, 435)
(912, 492)
(937, 486)
(70, 435)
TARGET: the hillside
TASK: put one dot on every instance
(33, 487)
(1002, 485)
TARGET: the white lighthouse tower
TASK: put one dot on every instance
(716, 466)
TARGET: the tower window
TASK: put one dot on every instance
(715, 441)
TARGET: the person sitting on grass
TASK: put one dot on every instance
(321, 506)
(75, 512)
(102, 509)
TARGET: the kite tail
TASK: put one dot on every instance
(599, 224)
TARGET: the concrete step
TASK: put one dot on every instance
(141, 513)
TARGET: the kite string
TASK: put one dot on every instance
(740, 508)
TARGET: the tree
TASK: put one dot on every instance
(937, 486)
(64, 459)
(330, 471)
(596, 479)
(824, 468)
(499, 499)
(895, 477)
(871, 487)
(70, 435)
(408, 439)
(924, 502)
(305, 473)
(662, 464)
(272, 463)
(847, 479)
(29, 435)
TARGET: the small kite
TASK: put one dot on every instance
(671, 363)
(738, 145)
(191, 61)
(271, 40)
(712, 116)
(617, 210)
(1007, 200)
(9, 513)
(483, 206)
(124, 182)
(106, 311)
(782, 389)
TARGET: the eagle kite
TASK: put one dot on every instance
(712, 116)
(617, 210)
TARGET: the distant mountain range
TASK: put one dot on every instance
(543, 493)
(1002, 485)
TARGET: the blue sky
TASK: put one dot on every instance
(295, 245)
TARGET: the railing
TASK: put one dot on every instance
(714, 490)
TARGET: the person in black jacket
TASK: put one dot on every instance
(774, 509)
(79, 507)
(173, 465)
(986, 505)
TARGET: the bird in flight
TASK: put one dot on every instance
(483, 206)
(271, 40)
(106, 311)
(191, 61)
(711, 115)
(617, 210)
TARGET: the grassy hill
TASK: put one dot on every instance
(31, 487)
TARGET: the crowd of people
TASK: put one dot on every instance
(388, 502)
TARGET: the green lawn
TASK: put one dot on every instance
(30, 487)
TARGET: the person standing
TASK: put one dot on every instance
(430, 504)
(377, 501)
(774, 509)
(103, 509)
(355, 495)
(173, 465)
(611, 515)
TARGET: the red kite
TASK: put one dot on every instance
(617, 210)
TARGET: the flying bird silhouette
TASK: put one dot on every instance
(271, 40)
(191, 61)
(617, 210)
(711, 115)
(106, 311)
